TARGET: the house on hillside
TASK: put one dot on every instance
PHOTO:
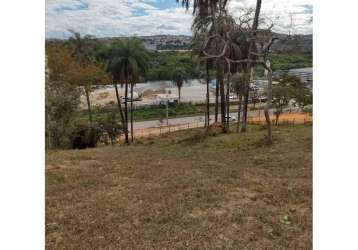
(305, 75)
(150, 45)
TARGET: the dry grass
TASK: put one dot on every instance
(223, 192)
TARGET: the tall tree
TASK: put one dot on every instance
(88, 72)
(129, 59)
(217, 98)
(109, 56)
(213, 32)
(204, 7)
(235, 48)
(62, 96)
(179, 77)
(82, 55)
(199, 35)
(289, 89)
(207, 71)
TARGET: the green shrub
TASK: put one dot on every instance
(85, 136)
(110, 128)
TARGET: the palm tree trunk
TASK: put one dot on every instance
(217, 99)
(268, 105)
(239, 112)
(132, 131)
(246, 101)
(179, 94)
(119, 106)
(249, 66)
(268, 67)
(207, 96)
(228, 101)
(222, 98)
(126, 111)
(256, 17)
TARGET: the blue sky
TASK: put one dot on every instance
(110, 18)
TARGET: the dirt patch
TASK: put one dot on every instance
(150, 94)
(286, 118)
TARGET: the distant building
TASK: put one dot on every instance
(150, 46)
(305, 75)
(167, 42)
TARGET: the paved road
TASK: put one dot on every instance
(190, 119)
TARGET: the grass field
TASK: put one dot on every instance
(184, 191)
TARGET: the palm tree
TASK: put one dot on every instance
(128, 60)
(233, 51)
(214, 30)
(179, 77)
(204, 7)
(115, 79)
(207, 74)
(110, 57)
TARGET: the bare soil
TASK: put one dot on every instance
(184, 191)
(288, 118)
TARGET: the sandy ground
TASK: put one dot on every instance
(193, 91)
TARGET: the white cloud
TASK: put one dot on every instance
(280, 12)
(103, 18)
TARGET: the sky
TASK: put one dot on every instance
(112, 18)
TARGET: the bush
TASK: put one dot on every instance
(85, 136)
(110, 128)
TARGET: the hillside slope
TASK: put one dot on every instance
(184, 191)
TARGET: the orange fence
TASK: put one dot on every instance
(157, 131)
(286, 118)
